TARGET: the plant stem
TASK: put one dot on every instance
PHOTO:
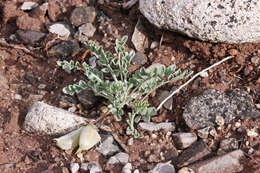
(191, 79)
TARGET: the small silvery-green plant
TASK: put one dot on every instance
(115, 83)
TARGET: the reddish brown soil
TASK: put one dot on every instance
(31, 153)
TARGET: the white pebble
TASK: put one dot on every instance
(59, 29)
(29, 5)
(74, 167)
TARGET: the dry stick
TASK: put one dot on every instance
(191, 79)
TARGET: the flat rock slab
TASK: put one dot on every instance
(49, 120)
(201, 111)
(217, 21)
(229, 162)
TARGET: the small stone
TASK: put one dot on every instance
(255, 60)
(56, 10)
(252, 133)
(42, 86)
(229, 162)
(29, 5)
(184, 140)
(130, 141)
(29, 37)
(49, 120)
(233, 52)
(248, 69)
(163, 94)
(118, 158)
(87, 30)
(18, 97)
(107, 148)
(139, 58)
(227, 145)
(127, 168)
(40, 12)
(250, 151)
(60, 29)
(204, 74)
(186, 170)
(63, 49)
(25, 22)
(204, 133)
(74, 167)
(220, 120)
(87, 98)
(196, 84)
(163, 168)
(92, 167)
(195, 152)
(139, 39)
(157, 126)
(82, 15)
(154, 44)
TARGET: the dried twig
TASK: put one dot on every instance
(191, 79)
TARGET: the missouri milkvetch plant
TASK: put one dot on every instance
(122, 89)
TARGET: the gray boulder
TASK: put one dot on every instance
(217, 21)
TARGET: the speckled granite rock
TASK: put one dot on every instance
(201, 111)
(217, 21)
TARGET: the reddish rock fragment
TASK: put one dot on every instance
(26, 22)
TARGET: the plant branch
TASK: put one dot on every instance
(191, 79)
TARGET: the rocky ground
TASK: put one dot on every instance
(212, 124)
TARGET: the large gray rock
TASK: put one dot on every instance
(201, 111)
(49, 120)
(217, 21)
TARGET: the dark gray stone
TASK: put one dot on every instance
(163, 94)
(195, 152)
(229, 162)
(107, 147)
(29, 37)
(184, 140)
(217, 21)
(82, 15)
(201, 111)
(63, 49)
(87, 98)
(139, 58)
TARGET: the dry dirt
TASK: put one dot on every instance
(24, 71)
